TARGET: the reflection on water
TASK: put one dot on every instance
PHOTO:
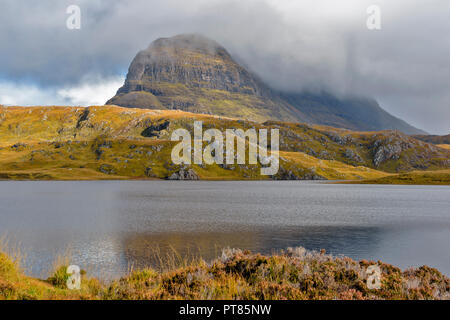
(109, 227)
(147, 250)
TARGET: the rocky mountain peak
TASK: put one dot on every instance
(193, 73)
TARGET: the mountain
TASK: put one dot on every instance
(193, 73)
(196, 74)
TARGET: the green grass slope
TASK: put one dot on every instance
(439, 177)
(109, 142)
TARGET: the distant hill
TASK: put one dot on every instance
(196, 74)
(434, 139)
(354, 113)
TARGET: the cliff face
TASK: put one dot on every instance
(196, 74)
(190, 60)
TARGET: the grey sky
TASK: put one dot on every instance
(291, 44)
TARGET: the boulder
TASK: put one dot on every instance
(184, 174)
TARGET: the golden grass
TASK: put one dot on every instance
(331, 169)
(65, 143)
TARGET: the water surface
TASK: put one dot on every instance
(108, 226)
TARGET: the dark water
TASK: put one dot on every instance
(107, 227)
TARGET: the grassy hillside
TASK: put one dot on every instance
(109, 142)
(438, 177)
(389, 151)
(296, 274)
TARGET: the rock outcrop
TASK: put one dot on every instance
(184, 174)
(405, 151)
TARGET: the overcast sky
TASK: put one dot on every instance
(291, 44)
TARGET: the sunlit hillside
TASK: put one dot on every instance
(110, 142)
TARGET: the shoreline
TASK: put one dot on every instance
(353, 182)
(442, 178)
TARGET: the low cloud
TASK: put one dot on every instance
(22, 94)
(91, 91)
